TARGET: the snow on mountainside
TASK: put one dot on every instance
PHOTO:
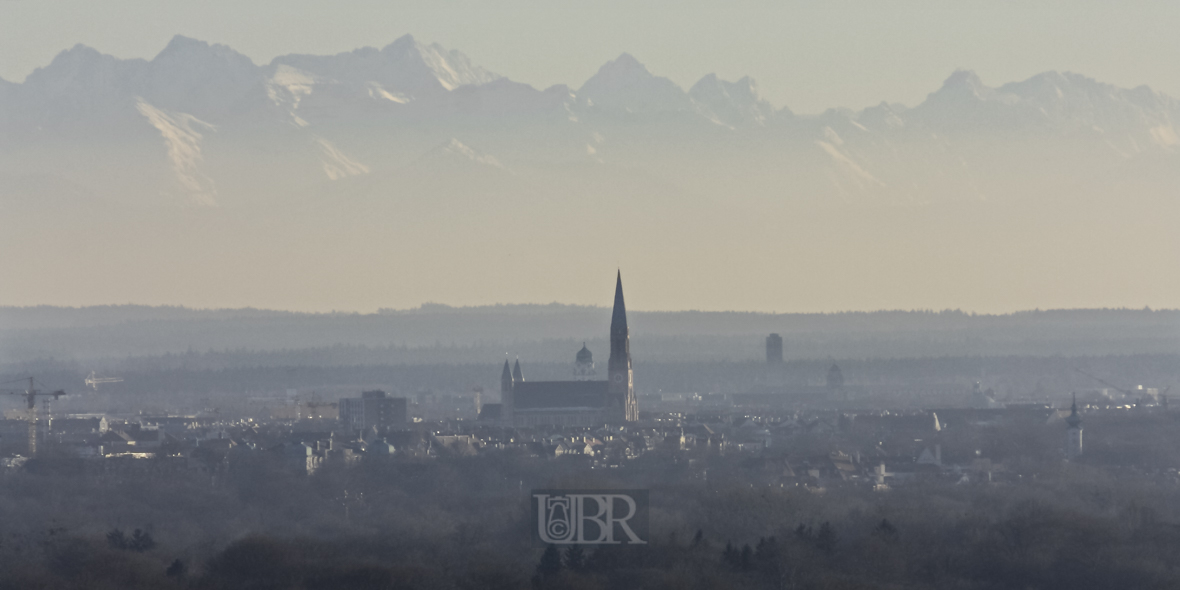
(336, 164)
(182, 135)
(83, 86)
(369, 82)
(1075, 102)
(404, 67)
(882, 118)
(734, 103)
(626, 85)
(454, 151)
(267, 175)
(287, 87)
(1051, 101)
(205, 121)
(450, 184)
(967, 140)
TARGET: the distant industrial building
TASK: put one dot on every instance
(774, 349)
(835, 379)
(372, 408)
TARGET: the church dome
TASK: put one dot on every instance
(584, 355)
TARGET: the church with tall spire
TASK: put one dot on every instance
(584, 401)
(621, 388)
(1073, 431)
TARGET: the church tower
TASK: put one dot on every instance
(621, 389)
(1073, 432)
(584, 365)
(506, 397)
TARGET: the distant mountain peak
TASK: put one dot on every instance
(627, 60)
(732, 103)
(882, 117)
(203, 79)
(182, 43)
(385, 107)
(76, 56)
(181, 47)
(964, 81)
(745, 87)
(960, 93)
(624, 65)
(402, 43)
(625, 84)
(83, 82)
(1066, 104)
(80, 49)
(404, 66)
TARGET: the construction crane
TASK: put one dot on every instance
(31, 394)
(1127, 392)
(93, 381)
(1108, 384)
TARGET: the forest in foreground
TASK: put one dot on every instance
(465, 522)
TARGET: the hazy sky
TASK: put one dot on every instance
(806, 55)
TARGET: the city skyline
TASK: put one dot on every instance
(317, 295)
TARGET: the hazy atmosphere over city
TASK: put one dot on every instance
(522, 294)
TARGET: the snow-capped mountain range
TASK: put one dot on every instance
(198, 110)
(201, 172)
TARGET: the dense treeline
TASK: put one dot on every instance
(49, 316)
(552, 333)
(465, 522)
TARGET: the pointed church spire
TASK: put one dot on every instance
(506, 374)
(1073, 433)
(1074, 420)
(618, 320)
(620, 390)
(620, 338)
(517, 374)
